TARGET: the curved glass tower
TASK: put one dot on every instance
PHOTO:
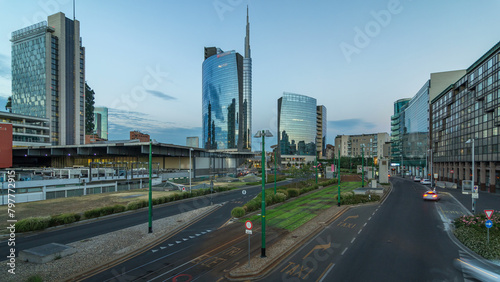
(297, 125)
(222, 87)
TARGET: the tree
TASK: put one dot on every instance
(89, 109)
(8, 106)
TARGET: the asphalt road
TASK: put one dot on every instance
(93, 228)
(403, 239)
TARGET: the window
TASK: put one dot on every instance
(490, 63)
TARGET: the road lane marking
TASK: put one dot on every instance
(318, 247)
(364, 224)
(324, 274)
(360, 230)
(369, 218)
(353, 239)
(343, 251)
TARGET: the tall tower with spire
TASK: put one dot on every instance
(246, 103)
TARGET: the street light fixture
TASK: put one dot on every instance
(190, 167)
(362, 165)
(471, 141)
(432, 174)
(150, 225)
(263, 134)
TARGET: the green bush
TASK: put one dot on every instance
(63, 219)
(92, 213)
(252, 205)
(32, 224)
(279, 197)
(238, 212)
(293, 192)
(35, 278)
(119, 208)
(133, 206)
(106, 211)
(282, 191)
(143, 203)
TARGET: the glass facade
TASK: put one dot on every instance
(297, 124)
(28, 70)
(416, 129)
(396, 129)
(222, 87)
(101, 122)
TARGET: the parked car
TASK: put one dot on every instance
(425, 181)
(431, 196)
(417, 178)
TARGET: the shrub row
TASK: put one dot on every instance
(40, 223)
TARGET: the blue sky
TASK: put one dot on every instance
(143, 58)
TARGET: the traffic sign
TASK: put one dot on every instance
(451, 171)
(248, 225)
(488, 213)
(249, 232)
(244, 192)
(489, 223)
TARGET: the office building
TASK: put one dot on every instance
(27, 131)
(48, 77)
(467, 114)
(297, 128)
(227, 98)
(367, 145)
(397, 130)
(101, 122)
(321, 125)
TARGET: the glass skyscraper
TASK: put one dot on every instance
(48, 77)
(227, 98)
(297, 125)
(101, 122)
(222, 92)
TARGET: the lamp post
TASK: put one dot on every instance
(316, 168)
(190, 167)
(150, 225)
(275, 154)
(432, 174)
(471, 141)
(263, 134)
(338, 182)
(362, 165)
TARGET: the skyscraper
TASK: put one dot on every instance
(48, 76)
(297, 127)
(101, 122)
(227, 98)
(246, 133)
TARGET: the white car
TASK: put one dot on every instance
(425, 181)
(417, 179)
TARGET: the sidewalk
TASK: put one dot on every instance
(486, 201)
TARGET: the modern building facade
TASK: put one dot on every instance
(321, 125)
(467, 114)
(227, 98)
(367, 145)
(48, 77)
(396, 130)
(297, 124)
(101, 122)
(27, 131)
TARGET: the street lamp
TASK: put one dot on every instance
(471, 141)
(432, 174)
(362, 165)
(150, 226)
(275, 155)
(263, 134)
(190, 167)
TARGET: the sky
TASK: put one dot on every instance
(144, 58)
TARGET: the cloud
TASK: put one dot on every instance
(350, 127)
(161, 95)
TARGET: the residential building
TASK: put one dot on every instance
(367, 145)
(48, 77)
(227, 98)
(297, 128)
(142, 137)
(467, 114)
(321, 125)
(101, 122)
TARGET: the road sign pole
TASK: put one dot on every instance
(248, 250)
